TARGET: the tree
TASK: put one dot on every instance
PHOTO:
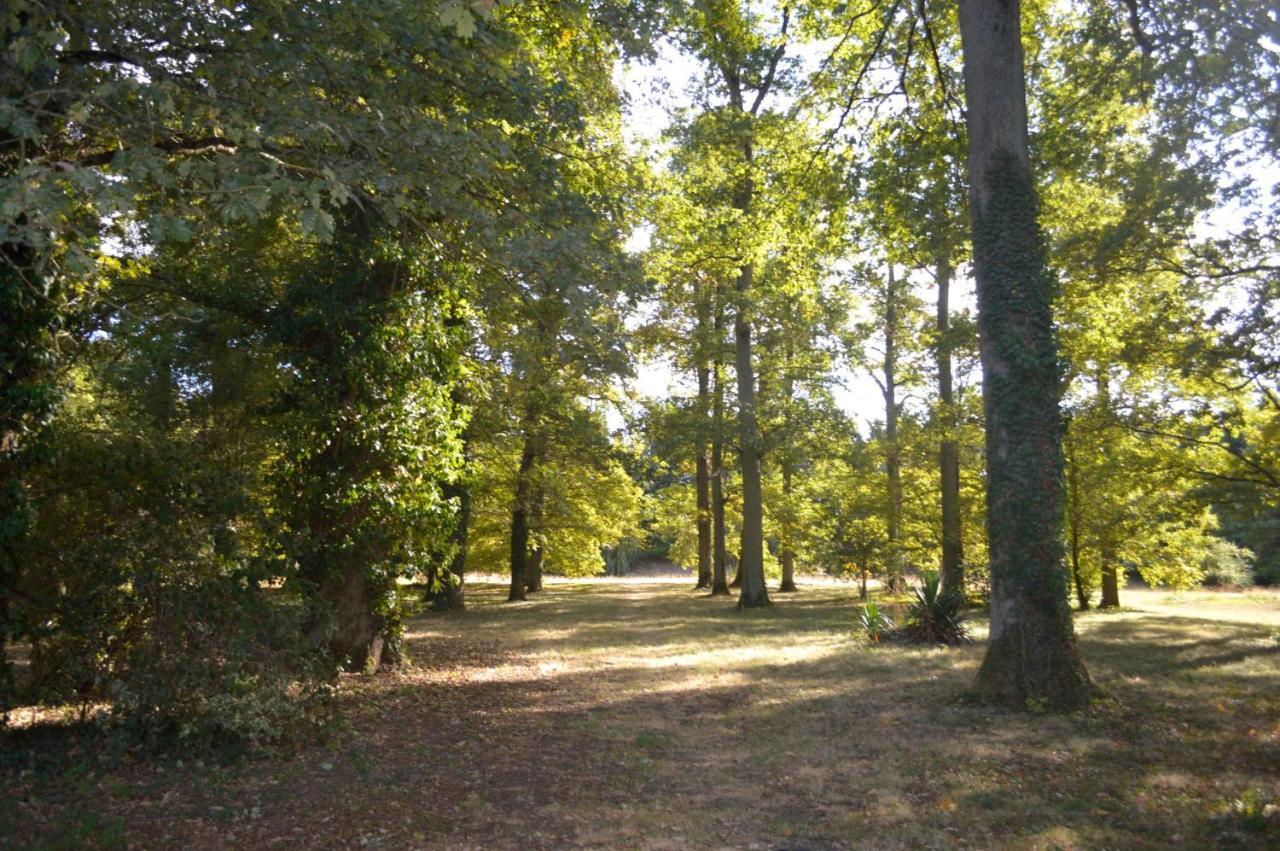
(1031, 652)
(728, 39)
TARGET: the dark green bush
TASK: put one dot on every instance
(153, 598)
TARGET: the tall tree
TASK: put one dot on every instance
(1031, 651)
(745, 61)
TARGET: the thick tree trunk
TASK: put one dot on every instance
(893, 460)
(719, 556)
(344, 619)
(1031, 652)
(27, 323)
(949, 450)
(520, 521)
(352, 603)
(704, 481)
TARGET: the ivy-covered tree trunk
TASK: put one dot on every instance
(1031, 652)
(451, 594)
(719, 556)
(353, 379)
(893, 457)
(948, 450)
(520, 521)
(27, 392)
(703, 476)
(352, 620)
(31, 313)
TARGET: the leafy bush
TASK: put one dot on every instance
(220, 663)
(154, 595)
(1226, 565)
(873, 621)
(933, 616)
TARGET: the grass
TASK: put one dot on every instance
(642, 715)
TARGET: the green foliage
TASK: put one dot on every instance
(933, 615)
(873, 621)
(1226, 565)
(369, 427)
(588, 505)
(145, 587)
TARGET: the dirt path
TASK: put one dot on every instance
(638, 714)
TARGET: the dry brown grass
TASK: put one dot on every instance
(643, 715)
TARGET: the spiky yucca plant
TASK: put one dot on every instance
(873, 621)
(933, 617)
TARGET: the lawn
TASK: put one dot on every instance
(639, 714)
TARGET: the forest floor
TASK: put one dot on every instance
(640, 714)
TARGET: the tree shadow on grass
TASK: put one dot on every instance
(576, 720)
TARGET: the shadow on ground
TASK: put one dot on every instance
(645, 715)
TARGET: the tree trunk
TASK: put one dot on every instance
(520, 521)
(949, 450)
(893, 460)
(1110, 579)
(1031, 652)
(751, 552)
(352, 607)
(533, 568)
(704, 481)
(345, 620)
(787, 555)
(719, 557)
(1073, 502)
(1110, 571)
(786, 550)
(533, 572)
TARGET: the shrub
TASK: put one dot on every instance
(933, 616)
(153, 597)
(873, 621)
(1226, 565)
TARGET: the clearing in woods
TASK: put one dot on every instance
(639, 714)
